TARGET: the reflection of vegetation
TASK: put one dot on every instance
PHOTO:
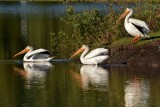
(93, 28)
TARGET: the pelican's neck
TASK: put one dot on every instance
(84, 53)
(128, 16)
(25, 58)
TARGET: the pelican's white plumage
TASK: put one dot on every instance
(134, 27)
(97, 52)
(96, 56)
(35, 55)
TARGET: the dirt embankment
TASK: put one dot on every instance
(147, 54)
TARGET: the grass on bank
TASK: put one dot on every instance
(118, 1)
(154, 36)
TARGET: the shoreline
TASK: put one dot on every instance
(146, 54)
(80, 1)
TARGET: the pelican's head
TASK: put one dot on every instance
(126, 12)
(28, 48)
(79, 51)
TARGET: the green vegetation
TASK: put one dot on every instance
(98, 0)
(98, 30)
(154, 36)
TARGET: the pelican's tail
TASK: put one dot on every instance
(146, 30)
(146, 36)
(49, 59)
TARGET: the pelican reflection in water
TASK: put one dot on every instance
(92, 77)
(136, 93)
(34, 72)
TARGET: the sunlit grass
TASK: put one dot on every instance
(121, 41)
(154, 36)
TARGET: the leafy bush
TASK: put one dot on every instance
(88, 26)
(93, 28)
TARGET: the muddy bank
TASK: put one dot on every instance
(147, 54)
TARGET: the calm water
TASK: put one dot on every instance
(63, 83)
(71, 84)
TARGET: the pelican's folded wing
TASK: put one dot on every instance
(39, 54)
(140, 23)
(97, 52)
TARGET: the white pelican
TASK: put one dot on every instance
(36, 55)
(96, 56)
(134, 27)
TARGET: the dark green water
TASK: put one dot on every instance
(63, 83)
(71, 84)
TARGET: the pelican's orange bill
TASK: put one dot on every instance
(77, 52)
(124, 14)
(21, 52)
